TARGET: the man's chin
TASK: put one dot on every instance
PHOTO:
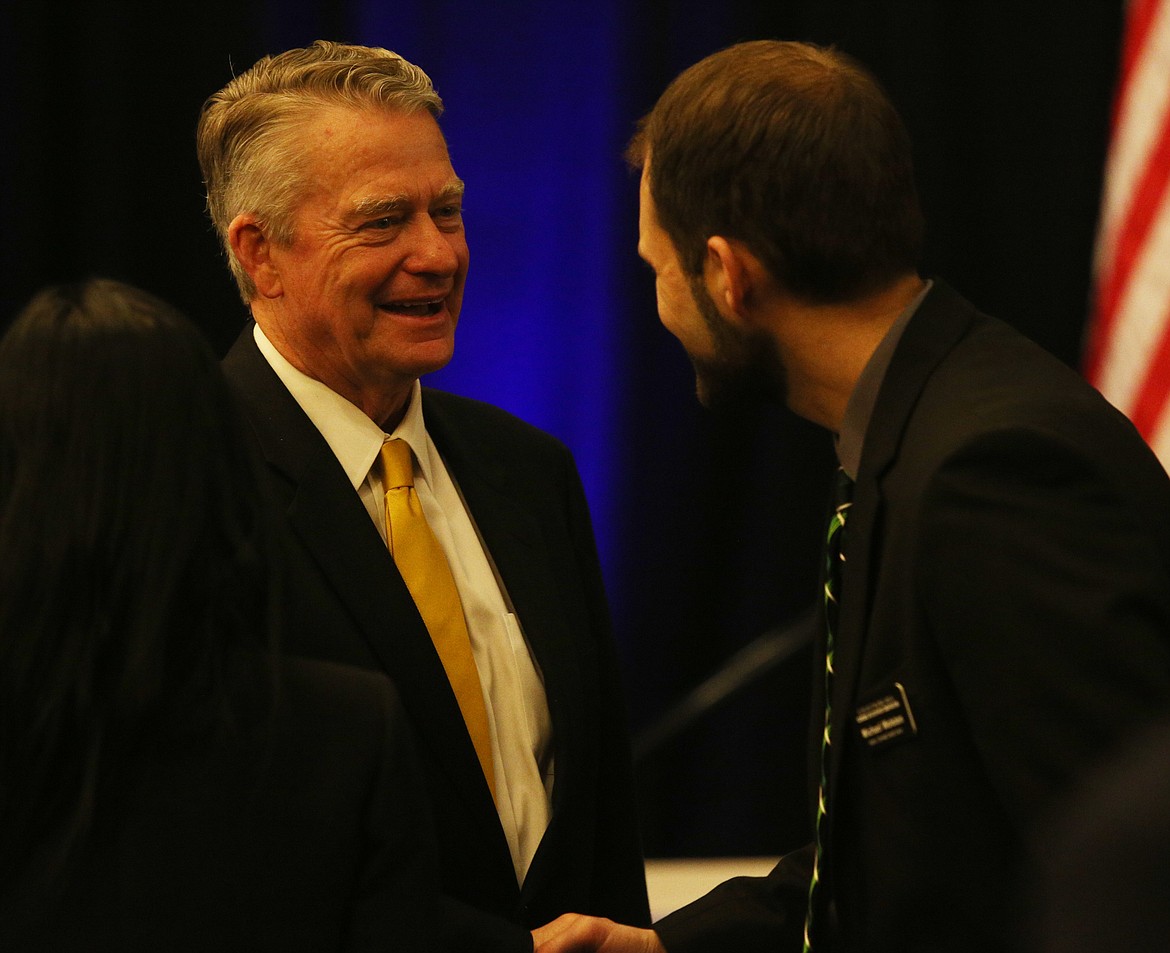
(723, 385)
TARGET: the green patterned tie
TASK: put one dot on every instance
(833, 562)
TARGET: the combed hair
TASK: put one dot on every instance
(796, 151)
(135, 593)
(247, 137)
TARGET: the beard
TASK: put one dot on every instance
(744, 364)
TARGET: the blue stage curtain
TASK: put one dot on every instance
(532, 123)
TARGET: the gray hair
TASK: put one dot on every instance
(247, 135)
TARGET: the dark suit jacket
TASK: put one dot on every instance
(350, 604)
(299, 835)
(1102, 877)
(1008, 569)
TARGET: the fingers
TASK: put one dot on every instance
(543, 937)
(573, 933)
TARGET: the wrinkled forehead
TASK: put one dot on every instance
(377, 155)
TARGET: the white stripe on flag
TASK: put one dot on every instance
(1129, 353)
(1146, 95)
(1138, 322)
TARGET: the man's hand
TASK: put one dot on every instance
(574, 933)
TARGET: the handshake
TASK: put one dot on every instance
(573, 933)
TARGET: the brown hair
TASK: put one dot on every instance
(247, 134)
(794, 150)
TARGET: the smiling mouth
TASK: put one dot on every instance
(414, 309)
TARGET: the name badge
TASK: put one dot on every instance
(886, 719)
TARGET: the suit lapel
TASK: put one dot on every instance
(515, 541)
(939, 323)
(512, 535)
(330, 522)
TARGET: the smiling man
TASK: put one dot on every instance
(432, 537)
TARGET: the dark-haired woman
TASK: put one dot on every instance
(165, 785)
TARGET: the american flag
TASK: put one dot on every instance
(1128, 347)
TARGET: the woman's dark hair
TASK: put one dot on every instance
(134, 585)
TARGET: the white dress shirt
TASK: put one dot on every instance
(513, 690)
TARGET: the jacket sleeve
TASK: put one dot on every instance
(1037, 575)
(619, 873)
(745, 914)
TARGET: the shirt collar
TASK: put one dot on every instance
(354, 439)
(858, 411)
(412, 428)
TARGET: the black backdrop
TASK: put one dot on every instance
(1008, 104)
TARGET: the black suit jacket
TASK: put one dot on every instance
(299, 834)
(1102, 877)
(1008, 570)
(350, 604)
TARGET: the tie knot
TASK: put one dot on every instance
(397, 465)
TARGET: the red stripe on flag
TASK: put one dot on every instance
(1151, 398)
(1142, 208)
(1133, 218)
(1138, 18)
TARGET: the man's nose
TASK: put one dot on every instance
(432, 249)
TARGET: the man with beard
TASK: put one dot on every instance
(998, 557)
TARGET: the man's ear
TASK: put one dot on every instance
(734, 277)
(253, 250)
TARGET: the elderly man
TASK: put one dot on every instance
(998, 581)
(430, 536)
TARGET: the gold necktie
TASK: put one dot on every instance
(427, 574)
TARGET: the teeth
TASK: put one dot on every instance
(424, 309)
